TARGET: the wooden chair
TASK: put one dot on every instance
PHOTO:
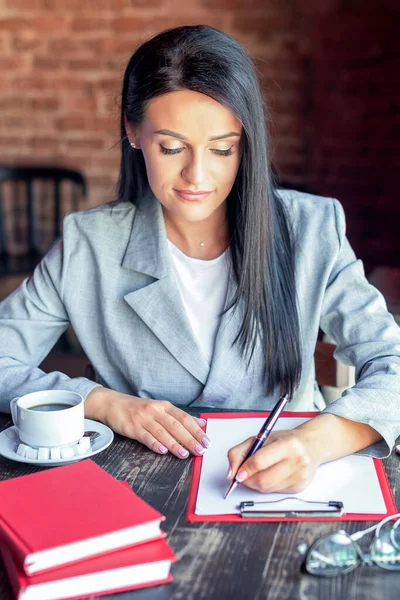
(329, 371)
(33, 202)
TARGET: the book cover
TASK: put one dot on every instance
(69, 513)
(120, 570)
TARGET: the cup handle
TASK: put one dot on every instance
(14, 411)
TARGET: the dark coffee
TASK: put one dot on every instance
(50, 407)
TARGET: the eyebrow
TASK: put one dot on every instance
(182, 137)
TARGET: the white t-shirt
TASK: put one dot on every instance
(203, 285)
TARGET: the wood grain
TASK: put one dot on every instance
(218, 561)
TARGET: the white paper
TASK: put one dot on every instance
(352, 480)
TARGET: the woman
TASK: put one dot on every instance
(203, 285)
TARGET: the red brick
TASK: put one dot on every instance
(107, 123)
(111, 85)
(80, 162)
(33, 81)
(45, 143)
(94, 46)
(115, 45)
(14, 24)
(24, 122)
(102, 181)
(45, 104)
(109, 161)
(66, 46)
(75, 123)
(46, 63)
(69, 83)
(13, 63)
(107, 103)
(117, 64)
(76, 102)
(26, 4)
(87, 144)
(145, 3)
(11, 142)
(90, 24)
(85, 64)
(28, 42)
(51, 23)
(14, 103)
(129, 25)
(88, 5)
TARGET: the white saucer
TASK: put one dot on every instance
(9, 441)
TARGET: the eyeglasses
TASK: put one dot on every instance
(338, 553)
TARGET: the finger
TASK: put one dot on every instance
(291, 485)
(237, 454)
(146, 438)
(185, 425)
(267, 456)
(157, 439)
(178, 447)
(200, 422)
(272, 479)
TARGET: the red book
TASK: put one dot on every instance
(130, 568)
(68, 513)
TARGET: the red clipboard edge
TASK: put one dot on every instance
(191, 516)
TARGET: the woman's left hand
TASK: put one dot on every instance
(286, 463)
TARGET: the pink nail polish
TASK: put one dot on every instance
(199, 449)
(206, 442)
(163, 449)
(242, 475)
(229, 474)
(183, 452)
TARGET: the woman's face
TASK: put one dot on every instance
(190, 143)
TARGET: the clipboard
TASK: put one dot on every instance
(337, 515)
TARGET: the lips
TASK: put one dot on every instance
(192, 196)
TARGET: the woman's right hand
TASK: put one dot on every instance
(157, 424)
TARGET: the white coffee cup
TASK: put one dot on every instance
(49, 418)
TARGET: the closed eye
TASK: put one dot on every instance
(179, 150)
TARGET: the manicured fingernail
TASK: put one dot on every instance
(199, 449)
(163, 449)
(183, 452)
(203, 421)
(229, 474)
(242, 475)
(206, 442)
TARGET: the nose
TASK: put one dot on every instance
(194, 170)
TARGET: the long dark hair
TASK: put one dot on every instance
(203, 59)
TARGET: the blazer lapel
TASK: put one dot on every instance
(159, 303)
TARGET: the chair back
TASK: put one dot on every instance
(33, 202)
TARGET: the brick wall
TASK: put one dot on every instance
(329, 67)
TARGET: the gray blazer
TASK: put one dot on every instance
(111, 278)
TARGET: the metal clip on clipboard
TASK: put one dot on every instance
(333, 509)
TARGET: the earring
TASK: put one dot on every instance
(133, 144)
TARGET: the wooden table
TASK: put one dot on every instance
(232, 561)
